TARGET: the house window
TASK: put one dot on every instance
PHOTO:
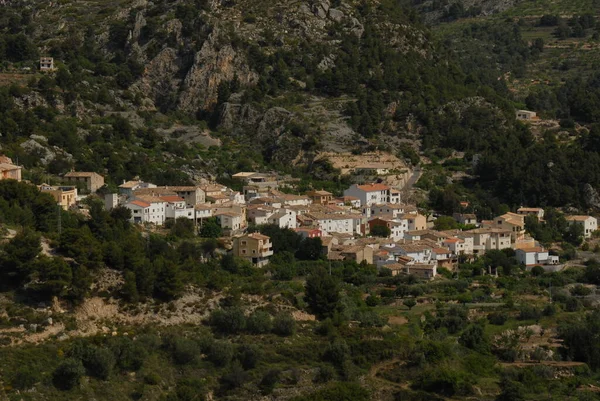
(253, 251)
(243, 242)
(243, 251)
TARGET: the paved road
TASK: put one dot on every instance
(417, 172)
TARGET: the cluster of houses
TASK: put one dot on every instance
(343, 223)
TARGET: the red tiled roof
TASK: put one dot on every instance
(140, 203)
(171, 198)
(373, 187)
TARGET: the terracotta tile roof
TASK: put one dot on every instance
(319, 193)
(531, 249)
(79, 174)
(259, 236)
(140, 203)
(171, 198)
(373, 187)
(129, 184)
(577, 218)
(149, 199)
(529, 209)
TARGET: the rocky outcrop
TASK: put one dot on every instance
(591, 197)
(213, 64)
(158, 82)
(44, 152)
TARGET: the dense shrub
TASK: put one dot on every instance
(284, 324)
(229, 321)
(67, 374)
(220, 353)
(259, 322)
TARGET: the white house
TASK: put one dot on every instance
(175, 207)
(535, 256)
(203, 211)
(455, 245)
(531, 211)
(127, 188)
(588, 223)
(465, 218)
(147, 212)
(283, 218)
(486, 239)
(419, 253)
(394, 210)
(295, 200)
(333, 223)
(372, 194)
(229, 220)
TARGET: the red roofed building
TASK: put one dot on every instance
(148, 210)
(373, 194)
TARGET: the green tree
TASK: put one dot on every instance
(284, 324)
(169, 284)
(381, 231)
(67, 374)
(409, 303)
(322, 293)
(230, 320)
(259, 322)
(183, 228)
(310, 249)
(474, 337)
(54, 277)
(17, 262)
(130, 292)
(445, 223)
(211, 229)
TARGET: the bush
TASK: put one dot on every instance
(549, 310)
(152, 379)
(284, 324)
(373, 300)
(497, 318)
(537, 271)
(474, 337)
(445, 381)
(269, 381)
(184, 351)
(337, 352)
(324, 374)
(67, 374)
(220, 353)
(130, 355)
(233, 379)
(580, 291)
(259, 322)
(99, 363)
(248, 355)
(228, 321)
(528, 312)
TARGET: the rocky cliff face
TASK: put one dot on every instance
(213, 64)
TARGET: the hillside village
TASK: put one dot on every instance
(369, 223)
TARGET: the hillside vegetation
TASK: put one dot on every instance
(176, 91)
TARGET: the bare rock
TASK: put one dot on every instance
(158, 81)
(336, 15)
(140, 22)
(591, 196)
(213, 64)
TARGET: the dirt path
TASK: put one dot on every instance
(385, 365)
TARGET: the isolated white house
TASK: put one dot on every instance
(588, 223)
